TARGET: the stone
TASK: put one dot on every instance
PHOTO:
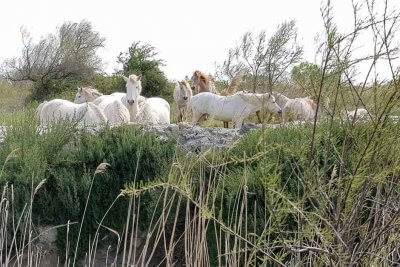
(196, 139)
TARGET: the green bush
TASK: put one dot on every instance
(260, 185)
(68, 160)
(108, 84)
(141, 59)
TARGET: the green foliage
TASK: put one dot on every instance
(141, 59)
(308, 76)
(263, 183)
(108, 84)
(13, 95)
(60, 88)
(57, 61)
(68, 160)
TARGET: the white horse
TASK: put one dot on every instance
(115, 111)
(128, 99)
(154, 110)
(234, 108)
(87, 114)
(182, 96)
(360, 114)
(133, 90)
(301, 109)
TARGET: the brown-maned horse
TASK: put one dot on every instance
(202, 83)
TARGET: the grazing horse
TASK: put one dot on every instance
(233, 108)
(360, 114)
(182, 96)
(86, 114)
(301, 109)
(202, 83)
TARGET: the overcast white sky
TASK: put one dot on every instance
(189, 35)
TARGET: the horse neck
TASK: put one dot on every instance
(133, 110)
(188, 90)
(92, 95)
(280, 99)
(205, 86)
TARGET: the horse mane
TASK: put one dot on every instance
(203, 77)
(184, 82)
(233, 85)
(280, 99)
(99, 113)
(312, 103)
(136, 78)
(92, 91)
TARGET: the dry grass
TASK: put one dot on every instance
(13, 96)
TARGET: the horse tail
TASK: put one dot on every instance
(39, 110)
(235, 83)
(121, 111)
(98, 112)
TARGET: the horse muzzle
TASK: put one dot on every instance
(131, 101)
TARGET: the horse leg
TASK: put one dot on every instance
(196, 118)
(180, 116)
(259, 117)
(239, 123)
(203, 118)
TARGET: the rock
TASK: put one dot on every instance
(195, 139)
(47, 236)
(190, 138)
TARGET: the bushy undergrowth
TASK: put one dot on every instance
(266, 200)
(293, 200)
(67, 160)
(269, 201)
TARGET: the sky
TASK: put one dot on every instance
(188, 35)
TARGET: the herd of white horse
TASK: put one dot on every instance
(92, 108)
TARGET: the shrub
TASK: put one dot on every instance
(67, 159)
(141, 59)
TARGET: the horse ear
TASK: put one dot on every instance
(80, 89)
(139, 77)
(125, 78)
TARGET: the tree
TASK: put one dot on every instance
(68, 55)
(307, 76)
(225, 72)
(265, 61)
(282, 52)
(142, 59)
